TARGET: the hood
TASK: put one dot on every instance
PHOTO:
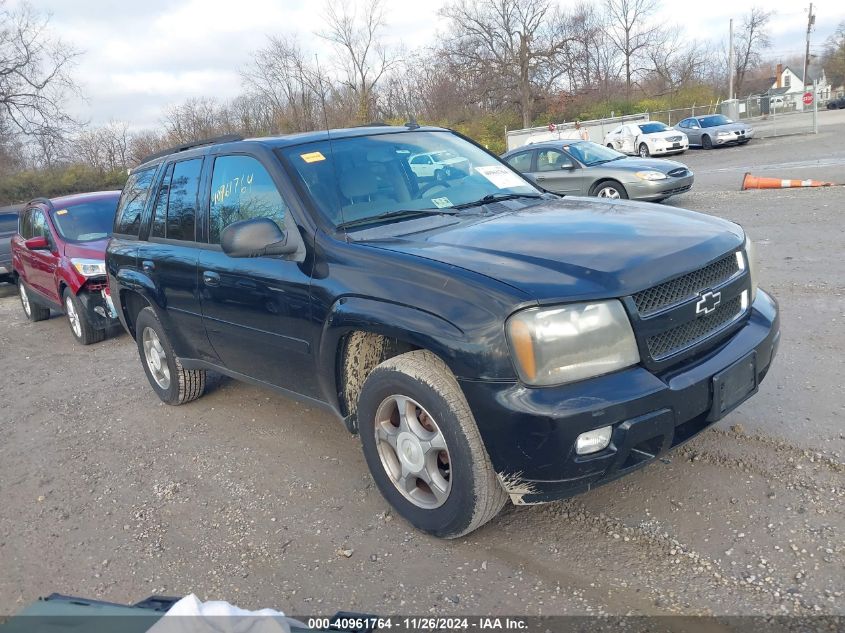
(728, 127)
(665, 135)
(89, 250)
(640, 164)
(577, 248)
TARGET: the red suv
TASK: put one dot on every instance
(58, 255)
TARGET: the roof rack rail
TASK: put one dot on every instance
(226, 138)
(45, 201)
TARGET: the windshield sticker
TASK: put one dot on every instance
(61, 212)
(312, 157)
(441, 203)
(501, 177)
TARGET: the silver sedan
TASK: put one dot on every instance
(582, 168)
(714, 130)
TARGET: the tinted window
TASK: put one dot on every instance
(182, 208)
(39, 224)
(684, 123)
(651, 128)
(8, 222)
(25, 228)
(714, 120)
(241, 189)
(521, 162)
(132, 202)
(85, 222)
(160, 210)
(552, 160)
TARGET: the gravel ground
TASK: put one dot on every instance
(249, 497)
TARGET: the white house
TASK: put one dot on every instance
(789, 84)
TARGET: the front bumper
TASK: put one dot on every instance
(664, 150)
(734, 139)
(649, 190)
(99, 313)
(530, 433)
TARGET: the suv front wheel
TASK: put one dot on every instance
(423, 447)
(171, 382)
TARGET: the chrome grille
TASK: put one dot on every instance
(672, 292)
(674, 139)
(678, 338)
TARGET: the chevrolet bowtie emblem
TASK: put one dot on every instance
(708, 302)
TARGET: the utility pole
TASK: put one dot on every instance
(811, 20)
(731, 69)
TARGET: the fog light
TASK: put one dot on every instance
(593, 441)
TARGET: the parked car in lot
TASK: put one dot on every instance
(714, 130)
(486, 340)
(582, 168)
(836, 104)
(647, 138)
(8, 227)
(438, 165)
(58, 257)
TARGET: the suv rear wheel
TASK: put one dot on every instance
(171, 382)
(423, 447)
(32, 310)
(83, 330)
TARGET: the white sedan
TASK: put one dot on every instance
(647, 139)
(440, 165)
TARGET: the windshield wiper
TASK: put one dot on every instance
(398, 214)
(495, 197)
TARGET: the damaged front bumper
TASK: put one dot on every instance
(98, 308)
(530, 433)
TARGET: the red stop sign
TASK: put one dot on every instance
(808, 98)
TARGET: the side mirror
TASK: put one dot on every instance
(39, 243)
(567, 166)
(258, 237)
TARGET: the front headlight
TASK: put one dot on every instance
(650, 175)
(724, 133)
(89, 267)
(552, 346)
(751, 262)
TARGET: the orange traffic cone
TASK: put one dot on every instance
(755, 182)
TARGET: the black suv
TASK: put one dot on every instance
(487, 340)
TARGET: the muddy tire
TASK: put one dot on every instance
(32, 310)
(172, 383)
(423, 447)
(77, 318)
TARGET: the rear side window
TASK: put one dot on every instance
(176, 206)
(132, 202)
(241, 189)
(25, 226)
(39, 224)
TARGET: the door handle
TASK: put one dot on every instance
(540, 178)
(148, 266)
(210, 278)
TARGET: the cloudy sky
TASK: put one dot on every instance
(140, 57)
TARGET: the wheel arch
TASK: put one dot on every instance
(595, 187)
(359, 334)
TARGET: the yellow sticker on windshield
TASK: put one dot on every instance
(312, 157)
(61, 212)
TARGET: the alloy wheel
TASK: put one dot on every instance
(73, 317)
(25, 300)
(156, 358)
(608, 192)
(413, 452)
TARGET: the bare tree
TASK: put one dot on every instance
(105, 148)
(631, 33)
(752, 40)
(511, 45)
(833, 58)
(360, 54)
(34, 78)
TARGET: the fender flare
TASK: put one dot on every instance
(410, 325)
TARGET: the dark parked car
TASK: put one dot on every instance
(715, 130)
(486, 340)
(8, 227)
(836, 104)
(58, 256)
(582, 168)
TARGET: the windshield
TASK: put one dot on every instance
(714, 120)
(86, 221)
(592, 153)
(651, 128)
(352, 179)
